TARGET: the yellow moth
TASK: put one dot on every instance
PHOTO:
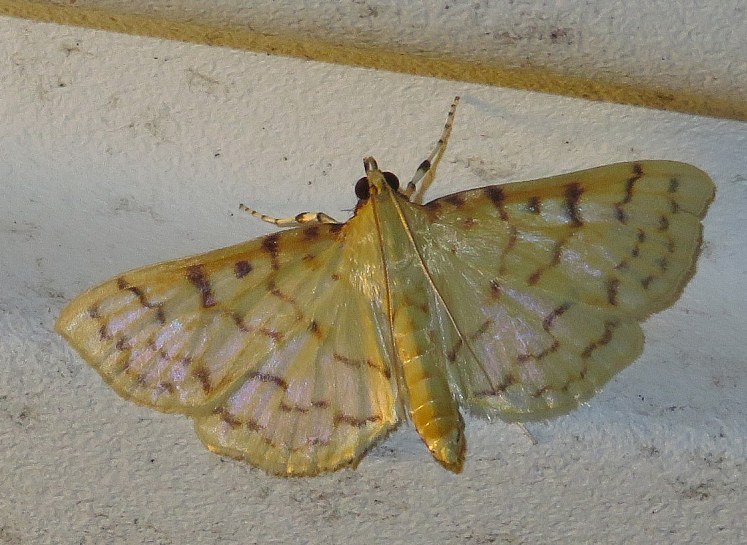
(298, 351)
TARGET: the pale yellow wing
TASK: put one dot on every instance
(546, 281)
(276, 347)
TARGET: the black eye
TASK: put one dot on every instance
(361, 189)
(392, 180)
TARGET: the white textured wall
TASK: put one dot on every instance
(117, 151)
(691, 46)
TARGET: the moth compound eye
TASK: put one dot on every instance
(392, 180)
(361, 189)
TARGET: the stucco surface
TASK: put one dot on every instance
(117, 151)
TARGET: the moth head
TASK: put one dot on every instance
(375, 179)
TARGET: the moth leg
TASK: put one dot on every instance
(427, 169)
(303, 217)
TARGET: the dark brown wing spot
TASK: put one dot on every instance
(239, 321)
(573, 194)
(203, 376)
(276, 336)
(469, 223)
(641, 238)
(457, 199)
(433, 206)
(160, 316)
(607, 336)
(497, 196)
(482, 329)
(581, 375)
(143, 300)
(274, 290)
(663, 223)
(513, 235)
(123, 364)
(510, 380)
(452, 354)
(266, 377)
(242, 268)
(355, 422)
(165, 388)
(320, 404)
(539, 393)
(380, 367)
(609, 327)
(253, 425)
(227, 417)
(351, 362)
(554, 315)
(314, 329)
(495, 289)
(646, 282)
(138, 293)
(122, 283)
(556, 253)
(500, 388)
(270, 245)
(620, 214)
(629, 190)
(292, 408)
(523, 358)
(674, 185)
(335, 228)
(104, 334)
(613, 285)
(311, 232)
(196, 276)
(549, 350)
(93, 313)
(534, 205)
(630, 184)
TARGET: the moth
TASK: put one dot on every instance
(299, 350)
